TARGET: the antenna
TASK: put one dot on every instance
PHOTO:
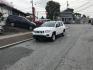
(67, 4)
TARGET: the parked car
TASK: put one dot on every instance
(49, 29)
(39, 22)
(19, 21)
(44, 20)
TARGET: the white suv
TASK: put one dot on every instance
(49, 30)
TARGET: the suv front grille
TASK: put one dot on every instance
(39, 31)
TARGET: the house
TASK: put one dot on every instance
(84, 20)
(67, 16)
(30, 17)
(90, 21)
(6, 10)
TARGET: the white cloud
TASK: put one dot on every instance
(23, 5)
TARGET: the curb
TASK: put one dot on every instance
(19, 34)
(15, 43)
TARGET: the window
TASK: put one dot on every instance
(69, 19)
(58, 24)
(62, 19)
(61, 23)
(48, 24)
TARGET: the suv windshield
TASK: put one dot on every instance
(48, 24)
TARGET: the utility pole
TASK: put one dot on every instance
(33, 12)
(32, 3)
(37, 14)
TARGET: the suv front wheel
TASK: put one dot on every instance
(53, 38)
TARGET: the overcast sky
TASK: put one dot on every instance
(81, 6)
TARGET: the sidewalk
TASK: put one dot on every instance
(10, 39)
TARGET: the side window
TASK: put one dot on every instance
(58, 25)
(61, 23)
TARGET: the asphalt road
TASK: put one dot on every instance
(71, 52)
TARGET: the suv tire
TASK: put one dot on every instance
(37, 39)
(53, 38)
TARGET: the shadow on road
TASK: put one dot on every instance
(11, 55)
(48, 40)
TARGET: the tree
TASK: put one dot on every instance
(77, 14)
(84, 16)
(52, 9)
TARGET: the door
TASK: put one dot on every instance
(58, 27)
(61, 27)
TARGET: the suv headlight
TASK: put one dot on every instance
(47, 31)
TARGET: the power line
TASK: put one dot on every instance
(80, 7)
(83, 5)
(85, 8)
(65, 3)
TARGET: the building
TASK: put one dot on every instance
(90, 21)
(67, 16)
(6, 10)
(30, 17)
(84, 20)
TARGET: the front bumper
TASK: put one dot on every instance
(40, 36)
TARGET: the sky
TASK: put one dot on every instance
(81, 6)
